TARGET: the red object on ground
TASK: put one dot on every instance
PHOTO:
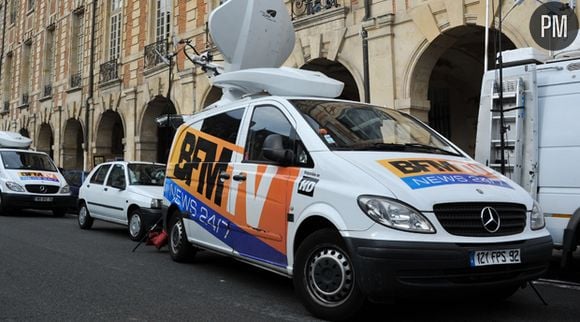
(157, 239)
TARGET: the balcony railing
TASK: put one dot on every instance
(109, 71)
(24, 99)
(302, 8)
(75, 80)
(154, 53)
(47, 91)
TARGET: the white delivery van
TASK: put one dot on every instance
(542, 136)
(29, 179)
(350, 200)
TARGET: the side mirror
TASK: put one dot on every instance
(273, 150)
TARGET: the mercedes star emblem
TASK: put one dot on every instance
(490, 219)
(42, 189)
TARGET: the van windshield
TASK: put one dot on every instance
(22, 160)
(345, 126)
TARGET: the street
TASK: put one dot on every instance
(51, 270)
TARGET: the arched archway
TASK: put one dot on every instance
(214, 94)
(72, 145)
(339, 72)
(109, 137)
(447, 78)
(155, 140)
(45, 140)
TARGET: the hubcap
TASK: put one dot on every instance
(176, 232)
(82, 215)
(330, 276)
(135, 225)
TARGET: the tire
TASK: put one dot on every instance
(324, 277)
(180, 249)
(2, 209)
(59, 212)
(84, 219)
(136, 226)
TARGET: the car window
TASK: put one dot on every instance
(144, 174)
(117, 176)
(266, 120)
(225, 125)
(99, 175)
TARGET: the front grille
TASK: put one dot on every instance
(464, 219)
(38, 188)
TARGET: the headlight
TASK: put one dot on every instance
(65, 189)
(156, 203)
(537, 217)
(14, 186)
(394, 214)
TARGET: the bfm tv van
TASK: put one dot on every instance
(351, 201)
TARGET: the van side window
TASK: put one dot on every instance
(268, 120)
(100, 174)
(117, 176)
(225, 125)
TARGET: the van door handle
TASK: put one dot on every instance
(224, 176)
(240, 177)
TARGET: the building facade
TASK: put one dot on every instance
(86, 79)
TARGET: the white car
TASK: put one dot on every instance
(126, 193)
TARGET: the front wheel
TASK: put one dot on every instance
(324, 277)
(136, 226)
(85, 220)
(180, 248)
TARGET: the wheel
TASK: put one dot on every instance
(2, 210)
(84, 218)
(136, 226)
(59, 212)
(324, 277)
(180, 248)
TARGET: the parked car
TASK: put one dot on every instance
(126, 193)
(75, 179)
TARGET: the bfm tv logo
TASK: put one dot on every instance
(554, 25)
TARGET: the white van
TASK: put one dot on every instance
(542, 139)
(29, 179)
(351, 201)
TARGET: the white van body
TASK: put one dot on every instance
(543, 136)
(30, 179)
(352, 201)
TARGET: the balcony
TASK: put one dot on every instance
(76, 80)
(109, 71)
(302, 8)
(155, 53)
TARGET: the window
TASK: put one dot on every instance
(30, 5)
(27, 161)
(117, 176)
(26, 80)
(100, 174)
(77, 49)
(265, 121)
(8, 81)
(224, 126)
(48, 63)
(163, 19)
(143, 174)
(13, 11)
(115, 31)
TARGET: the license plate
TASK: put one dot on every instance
(494, 257)
(43, 199)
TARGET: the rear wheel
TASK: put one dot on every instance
(85, 220)
(324, 277)
(180, 248)
(136, 225)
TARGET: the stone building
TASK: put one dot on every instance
(86, 79)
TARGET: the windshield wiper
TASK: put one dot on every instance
(402, 147)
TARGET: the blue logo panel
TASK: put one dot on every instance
(433, 180)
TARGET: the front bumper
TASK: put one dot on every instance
(31, 201)
(387, 269)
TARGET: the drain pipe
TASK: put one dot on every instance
(91, 85)
(365, 46)
(5, 4)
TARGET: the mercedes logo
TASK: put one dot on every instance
(42, 189)
(490, 219)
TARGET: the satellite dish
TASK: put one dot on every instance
(252, 33)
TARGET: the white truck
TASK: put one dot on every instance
(541, 105)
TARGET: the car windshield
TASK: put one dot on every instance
(22, 160)
(346, 126)
(146, 174)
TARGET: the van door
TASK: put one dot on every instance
(263, 189)
(199, 175)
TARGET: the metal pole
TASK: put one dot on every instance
(501, 116)
(91, 85)
(485, 54)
